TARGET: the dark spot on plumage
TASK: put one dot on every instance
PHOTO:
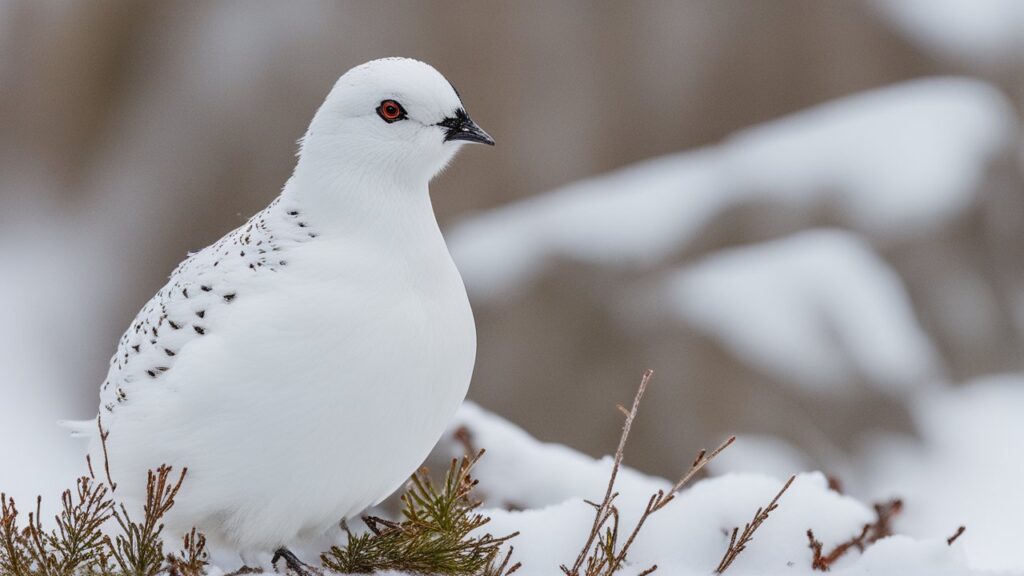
(174, 324)
(152, 340)
(201, 313)
(169, 352)
(302, 224)
(135, 347)
(162, 368)
(283, 262)
(206, 288)
(229, 297)
(312, 235)
(155, 333)
(184, 292)
(199, 330)
(293, 213)
(241, 253)
(151, 373)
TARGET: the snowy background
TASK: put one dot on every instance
(807, 217)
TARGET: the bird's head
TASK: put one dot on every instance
(394, 116)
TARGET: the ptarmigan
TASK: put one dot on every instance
(305, 364)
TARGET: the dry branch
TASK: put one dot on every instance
(601, 555)
(959, 532)
(738, 545)
(869, 534)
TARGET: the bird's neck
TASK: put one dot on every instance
(357, 201)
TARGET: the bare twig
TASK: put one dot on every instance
(505, 568)
(464, 437)
(869, 534)
(959, 532)
(106, 455)
(601, 555)
(603, 511)
(738, 545)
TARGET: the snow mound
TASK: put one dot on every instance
(549, 484)
(893, 162)
(974, 32)
(966, 469)
(816, 308)
(689, 535)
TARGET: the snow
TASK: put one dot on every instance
(521, 471)
(965, 469)
(690, 535)
(763, 454)
(548, 484)
(816, 308)
(896, 162)
(974, 32)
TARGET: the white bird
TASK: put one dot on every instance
(305, 364)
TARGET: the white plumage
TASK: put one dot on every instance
(304, 365)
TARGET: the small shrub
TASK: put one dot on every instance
(434, 536)
(78, 545)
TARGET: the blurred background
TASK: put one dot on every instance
(807, 217)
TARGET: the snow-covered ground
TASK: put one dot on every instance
(547, 485)
(966, 467)
(539, 490)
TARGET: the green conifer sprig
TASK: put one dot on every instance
(435, 535)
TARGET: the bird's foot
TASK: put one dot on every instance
(291, 561)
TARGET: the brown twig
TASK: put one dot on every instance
(464, 437)
(604, 510)
(959, 532)
(106, 455)
(869, 534)
(504, 569)
(601, 555)
(738, 545)
(138, 550)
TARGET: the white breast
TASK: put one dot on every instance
(313, 393)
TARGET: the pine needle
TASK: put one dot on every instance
(434, 536)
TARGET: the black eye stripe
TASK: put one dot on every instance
(391, 111)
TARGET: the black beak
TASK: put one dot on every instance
(462, 127)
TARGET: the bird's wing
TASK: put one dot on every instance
(198, 290)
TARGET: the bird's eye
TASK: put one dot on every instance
(391, 111)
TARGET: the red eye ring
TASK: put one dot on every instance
(391, 111)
